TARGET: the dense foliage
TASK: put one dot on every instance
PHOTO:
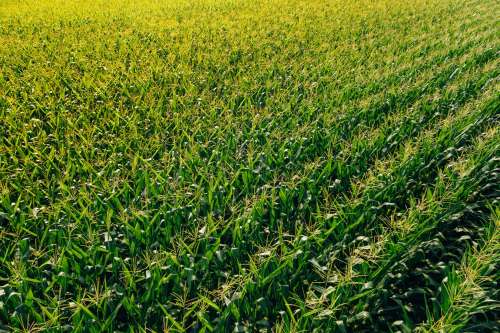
(280, 165)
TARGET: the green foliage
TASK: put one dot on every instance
(241, 166)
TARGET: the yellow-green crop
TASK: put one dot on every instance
(245, 166)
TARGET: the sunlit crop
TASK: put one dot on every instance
(245, 166)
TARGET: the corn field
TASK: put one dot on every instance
(249, 166)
